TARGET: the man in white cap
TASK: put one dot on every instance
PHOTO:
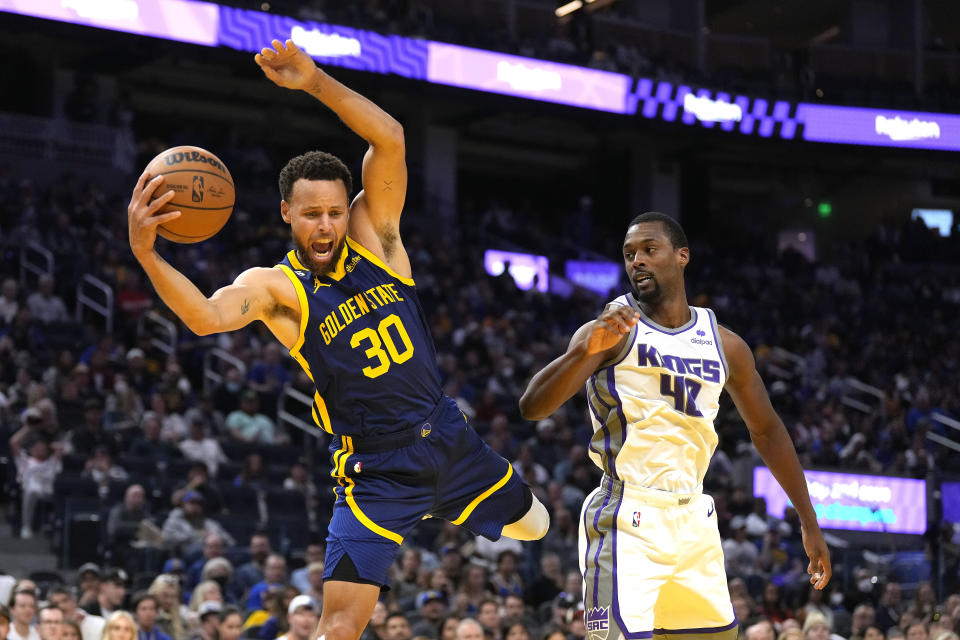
(303, 615)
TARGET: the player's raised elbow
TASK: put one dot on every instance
(532, 408)
(392, 136)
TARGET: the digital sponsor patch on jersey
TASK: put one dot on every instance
(598, 622)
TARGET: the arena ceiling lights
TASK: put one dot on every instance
(208, 24)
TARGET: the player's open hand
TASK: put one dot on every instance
(142, 217)
(614, 323)
(286, 65)
(816, 547)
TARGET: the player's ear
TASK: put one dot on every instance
(684, 256)
(285, 211)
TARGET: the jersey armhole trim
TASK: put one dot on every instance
(624, 350)
(366, 253)
(719, 343)
(304, 318)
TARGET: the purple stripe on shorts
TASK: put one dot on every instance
(596, 556)
(586, 551)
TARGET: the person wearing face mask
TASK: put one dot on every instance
(220, 570)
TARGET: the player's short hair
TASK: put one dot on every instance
(678, 238)
(314, 165)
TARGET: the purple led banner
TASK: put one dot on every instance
(594, 275)
(527, 77)
(326, 43)
(528, 270)
(183, 20)
(879, 127)
(853, 501)
(950, 493)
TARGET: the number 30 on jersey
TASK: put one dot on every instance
(381, 345)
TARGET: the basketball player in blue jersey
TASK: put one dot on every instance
(654, 368)
(344, 303)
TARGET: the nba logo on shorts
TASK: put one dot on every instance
(636, 518)
(197, 195)
(598, 623)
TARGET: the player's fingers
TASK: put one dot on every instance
(157, 203)
(155, 221)
(258, 59)
(289, 45)
(629, 316)
(267, 54)
(140, 182)
(277, 45)
(150, 187)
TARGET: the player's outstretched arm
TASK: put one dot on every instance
(384, 165)
(774, 445)
(230, 308)
(593, 344)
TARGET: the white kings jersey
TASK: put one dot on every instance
(654, 403)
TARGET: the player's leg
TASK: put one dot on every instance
(624, 560)
(695, 602)
(478, 488)
(532, 525)
(347, 607)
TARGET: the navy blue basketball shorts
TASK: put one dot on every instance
(387, 484)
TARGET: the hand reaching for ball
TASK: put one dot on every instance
(286, 65)
(142, 217)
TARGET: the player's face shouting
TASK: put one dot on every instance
(317, 213)
(653, 265)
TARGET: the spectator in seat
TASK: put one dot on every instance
(45, 305)
(186, 526)
(302, 616)
(23, 606)
(198, 479)
(209, 616)
(49, 623)
(201, 447)
(213, 546)
(253, 474)
(90, 626)
(313, 553)
(113, 592)
(251, 573)
(148, 443)
(120, 626)
(145, 609)
(125, 518)
(101, 469)
(38, 465)
(274, 575)
(247, 424)
(84, 440)
(9, 302)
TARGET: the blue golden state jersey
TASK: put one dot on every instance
(365, 343)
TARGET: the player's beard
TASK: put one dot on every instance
(649, 296)
(318, 268)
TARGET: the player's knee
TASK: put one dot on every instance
(532, 526)
(342, 628)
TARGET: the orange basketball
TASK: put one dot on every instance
(204, 193)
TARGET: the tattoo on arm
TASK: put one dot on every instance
(245, 307)
(386, 185)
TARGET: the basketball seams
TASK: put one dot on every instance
(212, 173)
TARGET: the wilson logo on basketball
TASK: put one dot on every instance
(197, 195)
(193, 156)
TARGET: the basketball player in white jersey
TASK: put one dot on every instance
(654, 368)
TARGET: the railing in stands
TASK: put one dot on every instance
(290, 418)
(869, 399)
(104, 307)
(946, 421)
(163, 333)
(212, 375)
(35, 259)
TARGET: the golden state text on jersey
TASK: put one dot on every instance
(365, 343)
